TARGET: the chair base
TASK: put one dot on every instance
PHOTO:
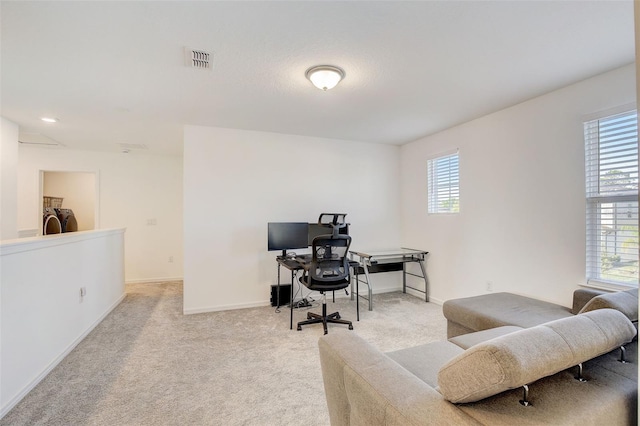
(334, 318)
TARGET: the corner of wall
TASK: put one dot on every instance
(8, 179)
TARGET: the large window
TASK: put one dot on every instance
(611, 153)
(443, 184)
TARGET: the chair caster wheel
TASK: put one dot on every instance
(299, 328)
(350, 327)
(308, 315)
(338, 316)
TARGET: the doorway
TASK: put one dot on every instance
(73, 194)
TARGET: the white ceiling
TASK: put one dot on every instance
(114, 72)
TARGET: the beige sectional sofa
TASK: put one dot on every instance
(507, 374)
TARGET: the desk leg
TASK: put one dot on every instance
(426, 282)
(356, 274)
(278, 290)
(357, 295)
(291, 304)
(369, 292)
(404, 276)
(352, 286)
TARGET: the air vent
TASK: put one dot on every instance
(31, 138)
(131, 146)
(198, 58)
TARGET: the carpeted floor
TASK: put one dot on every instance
(148, 364)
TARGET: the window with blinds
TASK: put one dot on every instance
(611, 154)
(443, 184)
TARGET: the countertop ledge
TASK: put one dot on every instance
(19, 245)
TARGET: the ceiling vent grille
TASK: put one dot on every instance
(127, 147)
(32, 138)
(200, 59)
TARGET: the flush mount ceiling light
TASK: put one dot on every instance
(325, 77)
(49, 120)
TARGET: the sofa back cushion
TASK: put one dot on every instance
(623, 301)
(522, 357)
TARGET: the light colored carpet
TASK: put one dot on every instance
(148, 364)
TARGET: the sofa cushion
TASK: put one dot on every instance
(424, 361)
(465, 341)
(499, 309)
(623, 301)
(524, 356)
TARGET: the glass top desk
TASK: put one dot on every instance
(371, 262)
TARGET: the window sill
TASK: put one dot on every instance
(607, 286)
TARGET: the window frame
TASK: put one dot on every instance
(601, 203)
(450, 187)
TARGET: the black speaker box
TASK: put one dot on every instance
(285, 295)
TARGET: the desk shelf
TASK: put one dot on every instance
(381, 267)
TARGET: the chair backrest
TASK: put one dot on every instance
(332, 218)
(329, 262)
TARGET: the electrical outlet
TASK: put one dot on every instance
(170, 259)
(489, 286)
(152, 222)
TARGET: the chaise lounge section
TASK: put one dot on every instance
(470, 314)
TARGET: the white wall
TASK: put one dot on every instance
(8, 180)
(522, 219)
(236, 181)
(134, 189)
(42, 315)
(78, 191)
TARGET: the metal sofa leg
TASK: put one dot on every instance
(623, 355)
(525, 397)
(579, 377)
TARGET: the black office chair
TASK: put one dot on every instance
(328, 271)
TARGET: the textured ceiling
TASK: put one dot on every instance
(114, 72)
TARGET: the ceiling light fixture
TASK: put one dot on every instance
(49, 120)
(325, 77)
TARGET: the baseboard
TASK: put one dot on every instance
(204, 310)
(259, 304)
(29, 387)
(432, 299)
(436, 301)
(339, 294)
(384, 290)
(152, 280)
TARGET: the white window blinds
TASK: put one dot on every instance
(443, 184)
(611, 154)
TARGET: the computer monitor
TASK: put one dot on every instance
(287, 236)
(316, 229)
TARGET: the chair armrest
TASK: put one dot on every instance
(582, 296)
(363, 386)
(305, 265)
